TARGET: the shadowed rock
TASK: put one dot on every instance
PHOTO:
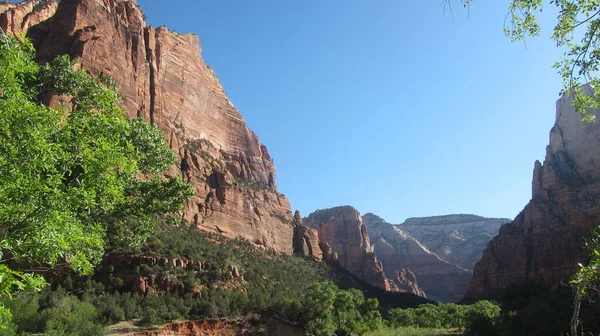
(545, 240)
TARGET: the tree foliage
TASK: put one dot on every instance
(443, 315)
(587, 279)
(73, 180)
(328, 311)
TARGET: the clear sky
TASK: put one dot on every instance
(394, 107)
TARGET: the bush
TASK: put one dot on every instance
(533, 309)
(482, 325)
(443, 315)
(328, 310)
(72, 317)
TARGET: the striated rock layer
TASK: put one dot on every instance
(344, 237)
(458, 239)
(545, 240)
(397, 250)
(163, 78)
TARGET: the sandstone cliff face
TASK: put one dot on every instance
(342, 230)
(458, 239)
(18, 18)
(397, 250)
(545, 240)
(162, 78)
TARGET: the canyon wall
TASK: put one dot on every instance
(163, 79)
(545, 240)
(343, 233)
(397, 250)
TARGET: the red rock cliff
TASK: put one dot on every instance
(545, 240)
(342, 229)
(163, 78)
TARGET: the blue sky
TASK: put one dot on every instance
(394, 107)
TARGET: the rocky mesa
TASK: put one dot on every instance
(458, 239)
(399, 251)
(545, 240)
(163, 79)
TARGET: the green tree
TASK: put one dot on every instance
(398, 317)
(587, 280)
(331, 311)
(532, 308)
(578, 30)
(72, 180)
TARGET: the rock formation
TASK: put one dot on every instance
(545, 240)
(328, 254)
(16, 19)
(458, 239)
(342, 230)
(397, 250)
(163, 79)
(306, 240)
(406, 281)
(122, 269)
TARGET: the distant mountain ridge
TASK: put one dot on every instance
(459, 239)
(451, 218)
(398, 250)
(440, 251)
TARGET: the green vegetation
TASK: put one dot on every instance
(281, 218)
(587, 280)
(268, 276)
(526, 309)
(82, 181)
(291, 287)
(326, 310)
(409, 331)
(72, 181)
(445, 316)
